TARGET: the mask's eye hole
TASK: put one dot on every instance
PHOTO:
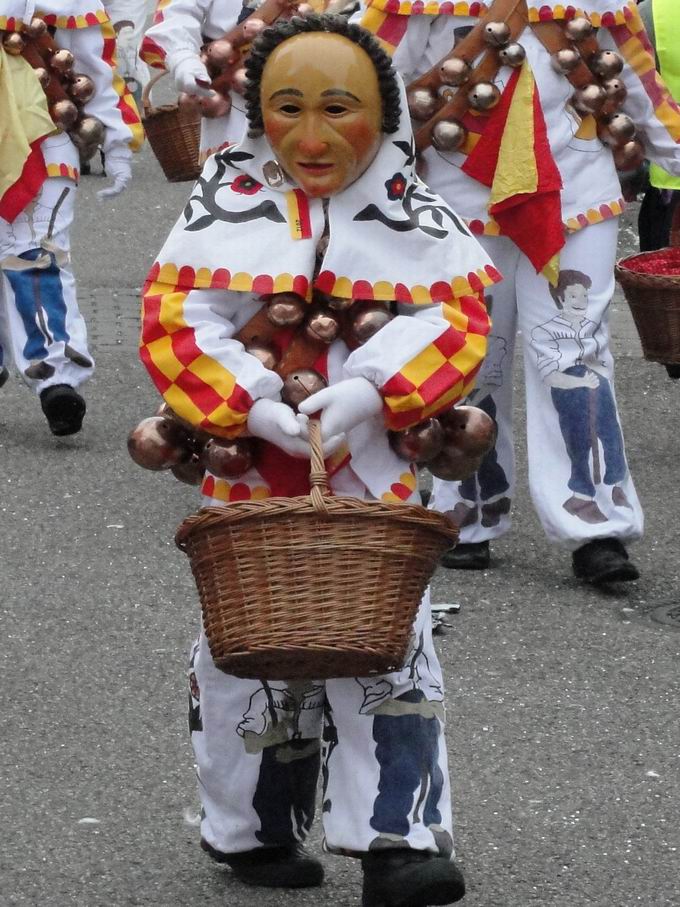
(336, 109)
(290, 109)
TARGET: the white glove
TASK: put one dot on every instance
(343, 406)
(277, 423)
(119, 169)
(187, 73)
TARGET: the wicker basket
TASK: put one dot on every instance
(174, 134)
(312, 587)
(651, 284)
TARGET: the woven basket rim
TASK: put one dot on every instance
(625, 267)
(272, 508)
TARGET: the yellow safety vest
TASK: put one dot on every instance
(667, 30)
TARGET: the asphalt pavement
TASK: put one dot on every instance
(563, 700)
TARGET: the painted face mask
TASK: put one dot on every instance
(322, 111)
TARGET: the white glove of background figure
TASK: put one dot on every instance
(343, 406)
(187, 73)
(118, 167)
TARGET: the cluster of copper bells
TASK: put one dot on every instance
(67, 91)
(224, 58)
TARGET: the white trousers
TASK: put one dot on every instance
(40, 324)
(578, 475)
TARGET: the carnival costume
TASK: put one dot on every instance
(249, 232)
(42, 326)
(536, 182)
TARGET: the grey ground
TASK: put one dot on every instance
(563, 701)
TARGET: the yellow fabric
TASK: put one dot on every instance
(667, 39)
(25, 117)
(516, 170)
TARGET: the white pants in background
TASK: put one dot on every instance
(578, 476)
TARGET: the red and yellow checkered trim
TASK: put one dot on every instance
(65, 170)
(228, 492)
(615, 16)
(606, 211)
(443, 372)
(387, 28)
(196, 386)
(158, 12)
(403, 489)
(631, 39)
(11, 23)
(187, 278)
(473, 8)
(152, 53)
(85, 20)
(126, 103)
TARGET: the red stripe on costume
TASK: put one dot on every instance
(21, 193)
(439, 383)
(393, 29)
(152, 329)
(474, 308)
(304, 218)
(159, 379)
(152, 53)
(450, 342)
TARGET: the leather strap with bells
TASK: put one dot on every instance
(515, 15)
(302, 351)
(552, 36)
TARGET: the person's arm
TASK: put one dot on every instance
(176, 32)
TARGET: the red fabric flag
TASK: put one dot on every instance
(27, 186)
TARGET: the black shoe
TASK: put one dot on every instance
(673, 371)
(470, 556)
(4, 375)
(64, 408)
(603, 561)
(272, 867)
(410, 878)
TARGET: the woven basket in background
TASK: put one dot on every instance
(312, 587)
(174, 134)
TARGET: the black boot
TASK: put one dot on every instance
(410, 878)
(272, 867)
(64, 408)
(4, 375)
(603, 561)
(468, 556)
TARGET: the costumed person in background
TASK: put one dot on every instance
(318, 206)
(129, 21)
(40, 324)
(526, 108)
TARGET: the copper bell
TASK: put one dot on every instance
(214, 105)
(265, 352)
(565, 60)
(578, 29)
(496, 34)
(629, 156)
(617, 130)
(338, 303)
(64, 113)
(81, 88)
(227, 459)
(448, 135)
(62, 61)
(156, 443)
(512, 55)
(483, 96)
(322, 324)
(219, 53)
(36, 28)
(13, 43)
(239, 80)
(191, 472)
(198, 435)
(286, 310)
(589, 99)
(453, 465)
(455, 71)
(469, 429)
(616, 93)
(89, 132)
(300, 384)
(420, 443)
(422, 103)
(606, 64)
(253, 27)
(366, 319)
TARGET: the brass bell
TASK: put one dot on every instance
(265, 352)
(43, 76)
(453, 465)
(36, 28)
(214, 105)
(62, 61)
(13, 43)
(253, 27)
(512, 54)
(227, 459)
(629, 156)
(454, 71)
(422, 103)
(469, 429)
(156, 443)
(366, 319)
(606, 64)
(420, 443)
(88, 132)
(300, 384)
(589, 99)
(322, 324)
(565, 60)
(616, 93)
(617, 130)
(64, 113)
(483, 96)
(197, 436)
(191, 472)
(448, 135)
(496, 34)
(286, 310)
(578, 29)
(81, 88)
(239, 80)
(219, 53)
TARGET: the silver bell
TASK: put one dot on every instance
(565, 60)
(448, 135)
(579, 29)
(496, 34)
(589, 99)
(617, 130)
(454, 71)
(606, 64)
(512, 55)
(422, 103)
(483, 96)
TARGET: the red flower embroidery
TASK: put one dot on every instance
(245, 185)
(396, 187)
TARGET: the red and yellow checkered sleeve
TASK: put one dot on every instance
(207, 378)
(425, 363)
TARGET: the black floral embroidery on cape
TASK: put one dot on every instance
(206, 189)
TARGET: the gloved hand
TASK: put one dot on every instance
(187, 73)
(119, 169)
(277, 423)
(343, 406)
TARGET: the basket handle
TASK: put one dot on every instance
(146, 91)
(318, 477)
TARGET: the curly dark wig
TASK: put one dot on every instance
(276, 34)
